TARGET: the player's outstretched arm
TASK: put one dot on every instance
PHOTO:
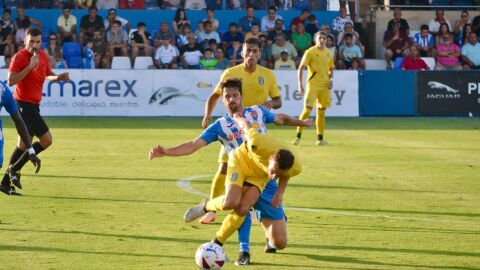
(209, 105)
(278, 197)
(183, 149)
(286, 120)
(23, 133)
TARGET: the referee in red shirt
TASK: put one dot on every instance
(28, 69)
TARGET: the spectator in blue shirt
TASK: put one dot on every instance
(245, 23)
(471, 53)
(425, 41)
(232, 35)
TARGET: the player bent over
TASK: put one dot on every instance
(250, 167)
(229, 134)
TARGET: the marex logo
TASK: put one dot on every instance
(87, 88)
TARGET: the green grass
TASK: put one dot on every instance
(403, 193)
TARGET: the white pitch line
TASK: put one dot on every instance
(184, 184)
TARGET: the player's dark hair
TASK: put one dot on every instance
(253, 41)
(284, 158)
(232, 83)
(34, 32)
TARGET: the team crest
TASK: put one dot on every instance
(234, 176)
(261, 81)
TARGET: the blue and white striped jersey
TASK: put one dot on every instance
(227, 132)
(6, 101)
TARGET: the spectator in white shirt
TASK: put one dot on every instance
(67, 26)
(211, 18)
(268, 21)
(166, 55)
(434, 24)
(111, 17)
(207, 34)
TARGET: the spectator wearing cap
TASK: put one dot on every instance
(163, 30)
(117, 39)
(111, 17)
(107, 4)
(232, 35)
(397, 17)
(166, 56)
(340, 21)
(434, 24)
(395, 43)
(208, 61)
(191, 53)
(471, 52)
(425, 42)
(140, 41)
(208, 34)
(7, 20)
(284, 62)
(279, 29)
(67, 26)
(282, 45)
(211, 18)
(268, 21)
(90, 23)
(301, 18)
(195, 4)
(245, 23)
(301, 39)
(413, 61)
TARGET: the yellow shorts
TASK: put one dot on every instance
(222, 155)
(320, 95)
(235, 177)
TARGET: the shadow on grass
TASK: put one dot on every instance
(108, 200)
(68, 177)
(359, 210)
(339, 259)
(62, 250)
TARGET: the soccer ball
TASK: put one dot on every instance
(210, 256)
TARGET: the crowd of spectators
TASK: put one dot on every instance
(453, 48)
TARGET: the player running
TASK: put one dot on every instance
(227, 132)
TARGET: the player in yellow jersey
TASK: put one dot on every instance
(258, 159)
(258, 83)
(319, 61)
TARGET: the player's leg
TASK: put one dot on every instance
(323, 102)
(309, 102)
(273, 222)
(244, 241)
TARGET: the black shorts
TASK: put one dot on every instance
(32, 118)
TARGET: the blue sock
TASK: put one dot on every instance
(244, 234)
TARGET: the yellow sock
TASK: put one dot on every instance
(305, 114)
(218, 185)
(320, 122)
(230, 224)
(215, 204)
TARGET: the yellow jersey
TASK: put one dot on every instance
(256, 86)
(319, 63)
(249, 162)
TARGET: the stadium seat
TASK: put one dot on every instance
(75, 62)
(398, 63)
(430, 61)
(152, 37)
(142, 62)
(46, 34)
(2, 60)
(71, 49)
(121, 62)
(375, 64)
(44, 44)
(130, 35)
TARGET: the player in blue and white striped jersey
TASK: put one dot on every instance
(227, 132)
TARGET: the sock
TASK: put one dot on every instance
(230, 224)
(218, 185)
(244, 234)
(270, 244)
(25, 157)
(6, 180)
(17, 153)
(320, 122)
(305, 114)
(320, 137)
(299, 135)
(216, 241)
(215, 204)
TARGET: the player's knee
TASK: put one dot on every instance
(280, 243)
(223, 168)
(242, 210)
(230, 204)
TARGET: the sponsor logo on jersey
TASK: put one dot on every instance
(261, 80)
(234, 177)
(235, 135)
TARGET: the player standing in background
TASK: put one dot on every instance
(258, 84)
(28, 70)
(319, 61)
(6, 101)
(227, 132)
(250, 167)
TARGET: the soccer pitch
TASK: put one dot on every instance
(388, 193)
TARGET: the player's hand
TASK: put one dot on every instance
(308, 122)
(301, 91)
(207, 119)
(63, 77)
(157, 151)
(36, 162)
(268, 105)
(33, 62)
(277, 200)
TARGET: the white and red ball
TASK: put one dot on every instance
(210, 256)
